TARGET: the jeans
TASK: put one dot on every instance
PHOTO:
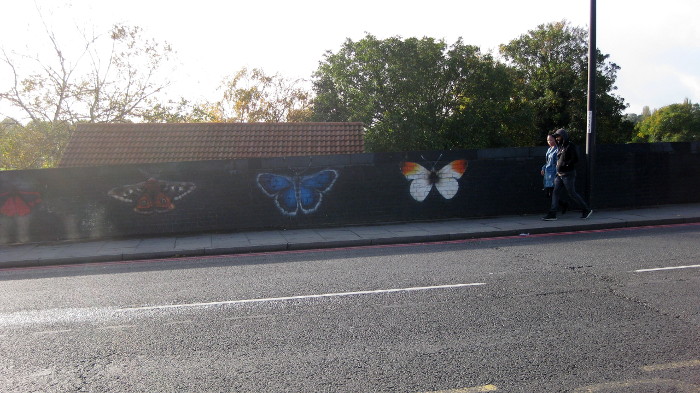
(566, 181)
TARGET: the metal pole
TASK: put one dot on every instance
(591, 113)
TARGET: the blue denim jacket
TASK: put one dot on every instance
(550, 167)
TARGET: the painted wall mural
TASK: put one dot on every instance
(423, 180)
(153, 195)
(304, 192)
(18, 203)
(296, 193)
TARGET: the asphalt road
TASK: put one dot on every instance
(551, 313)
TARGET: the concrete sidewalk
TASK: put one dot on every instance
(40, 254)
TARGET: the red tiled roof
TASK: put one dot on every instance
(112, 144)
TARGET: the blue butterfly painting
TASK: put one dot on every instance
(294, 193)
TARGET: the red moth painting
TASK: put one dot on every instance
(152, 195)
(18, 203)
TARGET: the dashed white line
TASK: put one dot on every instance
(24, 318)
(473, 389)
(672, 365)
(667, 268)
(300, 297)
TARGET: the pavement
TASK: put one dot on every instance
(111, 250)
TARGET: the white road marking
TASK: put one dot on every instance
(44, 332)
(673, 365)
(300, 297)
(641, 385)
(667, 268)
(473, 389)
(72, 315)
(116, 327)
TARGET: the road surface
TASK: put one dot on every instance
(601, 311)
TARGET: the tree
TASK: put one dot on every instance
(673, 123)
(415, 94)
(184, 111)
(633, 118)
(112, 78)
(253, 96)
(552, 67)
(34, 145)
(97, 86)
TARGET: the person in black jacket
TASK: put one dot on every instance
(567, 158)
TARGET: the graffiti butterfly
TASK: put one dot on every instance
(423, 180)
(152, 195)
(16, 203)
(294, 193)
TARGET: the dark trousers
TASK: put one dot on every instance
(566, 182)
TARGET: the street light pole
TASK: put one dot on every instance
(591, 112)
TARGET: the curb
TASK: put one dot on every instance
(337, 244)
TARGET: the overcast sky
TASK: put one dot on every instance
(656, 44)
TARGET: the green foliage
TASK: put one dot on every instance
(36, 145)
(633, 118)
(415, 94)
(253, 96)
(183, 111)
(673, 123)
(551, 63)
(411, 94)
(421, 94)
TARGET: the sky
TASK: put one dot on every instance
(656, 44)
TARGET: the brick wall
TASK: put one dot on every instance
(298, 192)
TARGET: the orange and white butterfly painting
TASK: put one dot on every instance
(423, 180)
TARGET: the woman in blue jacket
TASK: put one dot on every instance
(549, 169)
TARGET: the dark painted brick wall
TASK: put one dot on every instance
(75, 203)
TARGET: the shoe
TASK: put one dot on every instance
(550, 217)
(564, 207)
(586, 213)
